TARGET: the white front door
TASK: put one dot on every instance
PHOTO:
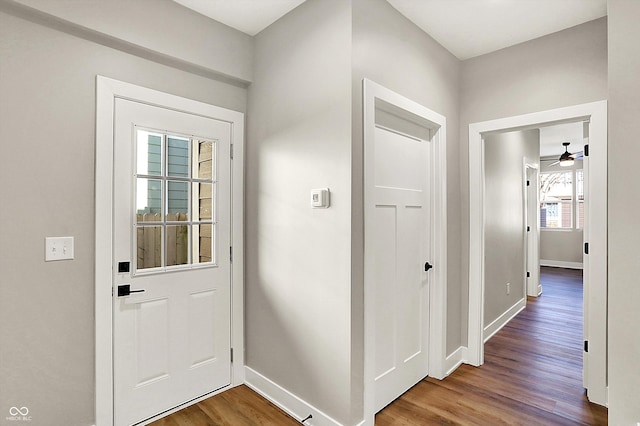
(172, 274)
(401, 249)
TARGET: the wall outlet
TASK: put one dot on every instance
(508, 288)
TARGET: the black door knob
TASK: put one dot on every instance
(427, 266)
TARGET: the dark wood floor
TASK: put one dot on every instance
(532, 373)
(532, 376)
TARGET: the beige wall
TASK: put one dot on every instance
(47, 139)
(562, 69)
(390, 50)
(624, 196)
(504, 218)
(298, 294)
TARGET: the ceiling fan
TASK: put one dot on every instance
(567, 158)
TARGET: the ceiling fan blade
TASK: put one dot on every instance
(553, 164)
(578, 155)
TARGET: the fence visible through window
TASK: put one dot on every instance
(175, 186)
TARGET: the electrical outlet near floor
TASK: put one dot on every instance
(508, 288)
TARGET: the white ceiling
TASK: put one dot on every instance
(248, 16)
(551, 139)
(469, 28)
(466, 28)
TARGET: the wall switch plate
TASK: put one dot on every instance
(58, 248)
(320, 198)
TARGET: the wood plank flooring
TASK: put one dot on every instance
(532, 376)
(239, 406)
(532, 373)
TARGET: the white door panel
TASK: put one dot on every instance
(171, 341)
(401, 248)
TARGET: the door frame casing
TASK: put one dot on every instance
(595, 233)
(532, 219)
(107, 91)
(438, 280)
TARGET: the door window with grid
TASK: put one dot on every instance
(175, 186)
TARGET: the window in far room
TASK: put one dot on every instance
(562, 200)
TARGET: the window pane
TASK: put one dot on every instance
(177, 249)
(203, 159)
(203, 196)
(149, 154)
(203, 237)
(556, 200)
(175, 197)
(556, 215)
(580, 185)
(149, 199)
(149, 247)
(580, 214)
(580, 199)
(177, 156)
(178, 197)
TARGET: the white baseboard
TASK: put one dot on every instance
(561, 264)
(503, 319)
(293, 405)
(456, 359)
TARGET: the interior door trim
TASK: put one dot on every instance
(107, 91)
(595, 264)
(377, 96)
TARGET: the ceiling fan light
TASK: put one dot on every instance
(566, 159)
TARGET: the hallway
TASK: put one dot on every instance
(532, 376)
(532, 373)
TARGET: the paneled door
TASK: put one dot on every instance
(401, 245)
(172, 272)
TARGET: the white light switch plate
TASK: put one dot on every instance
(58, 248)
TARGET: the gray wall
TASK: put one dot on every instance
(504, 218)
(390, 50)
(561, 246)
(298, 286)
(162, 28)
(562, 69)
(47, 139)
(624, 202)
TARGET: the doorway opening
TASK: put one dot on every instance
(595, 231)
